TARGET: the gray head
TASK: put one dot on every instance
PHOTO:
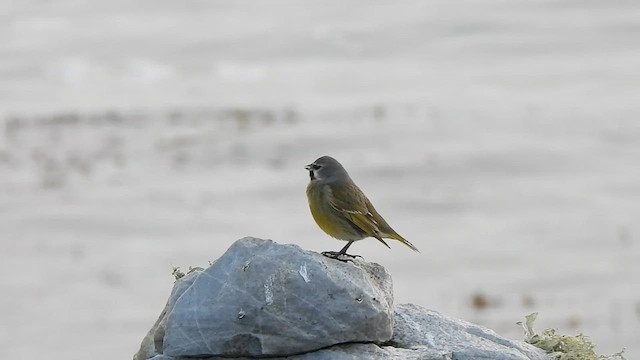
(326, 168)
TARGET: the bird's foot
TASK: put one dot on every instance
(344, 257)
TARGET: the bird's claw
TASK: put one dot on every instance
(337, 256)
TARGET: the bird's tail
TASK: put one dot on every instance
(397, 236)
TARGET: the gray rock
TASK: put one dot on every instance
(418, 327)
(265, 299)
(348, 352)
(262, 299)
(152, 343)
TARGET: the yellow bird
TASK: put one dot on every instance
(342, 210)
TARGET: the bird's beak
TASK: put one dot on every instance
(309, 168)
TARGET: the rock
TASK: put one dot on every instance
(416, 327)
(347, 352)
(264, 299)
(153, 341)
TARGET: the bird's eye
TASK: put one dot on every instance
(316, 166)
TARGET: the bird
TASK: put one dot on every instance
(342, 210)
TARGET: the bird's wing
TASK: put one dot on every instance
(353, 204)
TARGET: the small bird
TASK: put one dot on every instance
(342, 210)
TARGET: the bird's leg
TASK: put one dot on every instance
(343, 251)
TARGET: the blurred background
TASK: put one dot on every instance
(502, 138)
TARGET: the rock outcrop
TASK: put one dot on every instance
(266, 300)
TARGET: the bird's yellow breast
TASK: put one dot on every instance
(316, 200)
(322, 212)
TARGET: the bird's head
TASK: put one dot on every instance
(326, 168)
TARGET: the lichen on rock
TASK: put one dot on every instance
(563, 347)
